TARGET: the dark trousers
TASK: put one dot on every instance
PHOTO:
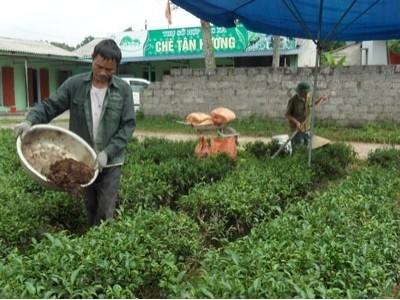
(101, 196)
(301, 139)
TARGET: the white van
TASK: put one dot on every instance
(137, 85)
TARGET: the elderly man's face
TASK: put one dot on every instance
(103, 69)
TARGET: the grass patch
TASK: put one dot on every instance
(10, 121)
(382, 132)
(165, 124)
(371, 132)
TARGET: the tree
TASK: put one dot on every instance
(327, 58)
(394, 46)
(85, 41)
(330, 60)
(62, 46)
(276, 51)
(208, 48)
(327, 46)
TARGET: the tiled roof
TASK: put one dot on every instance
(33, 48)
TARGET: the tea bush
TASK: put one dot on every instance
(151, 186)
(134, 257)
(25, 216)
(345, 244)
(262, 150)
(8, 158)
(27, 210)
(158, 150)
(255, 191)
(386, 158)
(331, 160)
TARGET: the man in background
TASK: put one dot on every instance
(298, 114)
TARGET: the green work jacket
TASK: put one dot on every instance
(300, 110)
(117, 120)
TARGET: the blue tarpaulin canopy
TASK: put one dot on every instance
(346, 20)
(317, 20)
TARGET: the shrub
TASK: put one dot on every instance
(256, 191)
(152, 186)
(331, 160)
(345, 244)
(135, 257)
(158, 150)
(386, 158)
(263, 150)
(27, 210)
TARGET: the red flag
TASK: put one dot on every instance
(168, 13)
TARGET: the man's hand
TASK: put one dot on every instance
(102, 160)
(299, 126)
(22, 128)
(321, 99)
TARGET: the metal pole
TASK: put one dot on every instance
(26, 84)
(317, 58)
(314, 93)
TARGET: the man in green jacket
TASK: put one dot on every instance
(102, 113)
(298, 114)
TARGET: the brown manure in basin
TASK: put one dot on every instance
(68, 175)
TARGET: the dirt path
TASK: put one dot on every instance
(362, 149)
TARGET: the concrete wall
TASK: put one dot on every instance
(358, 93)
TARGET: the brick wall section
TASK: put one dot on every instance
(359, 93)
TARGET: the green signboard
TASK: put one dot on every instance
(188, 41)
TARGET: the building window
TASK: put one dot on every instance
(33, 86)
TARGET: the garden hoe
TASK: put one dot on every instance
(285, 144)
(317, 141)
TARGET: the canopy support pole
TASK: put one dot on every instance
(314, 94)
(316, 72)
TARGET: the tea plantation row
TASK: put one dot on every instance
(206, 228)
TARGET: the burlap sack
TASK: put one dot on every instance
(222, 115)
(197, 118)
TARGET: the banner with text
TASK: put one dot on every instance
(188, 41)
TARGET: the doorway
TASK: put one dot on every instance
(33, 89)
